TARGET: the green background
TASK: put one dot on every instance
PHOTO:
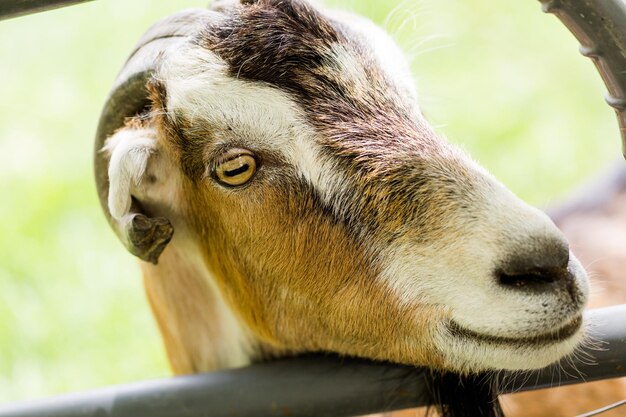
(501, 79)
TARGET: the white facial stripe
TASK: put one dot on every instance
(198, 86)
(455, 272)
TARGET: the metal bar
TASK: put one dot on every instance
(15, 8)
(320, 386)
(330, 386)
(600, 27)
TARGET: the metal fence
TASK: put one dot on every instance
(326, 385)
(322, 385)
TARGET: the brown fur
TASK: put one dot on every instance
(264, 244)
(288, 44)
(263, 271)
(252, 244)
(298, 272)
(184, 308)
(598, 237)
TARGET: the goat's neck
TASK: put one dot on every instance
(199, 330)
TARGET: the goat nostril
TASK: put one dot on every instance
(531, 279)
(537, 265)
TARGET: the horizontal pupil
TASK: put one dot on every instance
(234, 172)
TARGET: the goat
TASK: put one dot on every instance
(315, 209)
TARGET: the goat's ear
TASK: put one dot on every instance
(130, 151)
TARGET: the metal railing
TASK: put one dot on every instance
(16, 8)
(321, 386)
(332, 386)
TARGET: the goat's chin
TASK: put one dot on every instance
(466, 351)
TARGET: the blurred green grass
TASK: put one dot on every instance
(501, 79)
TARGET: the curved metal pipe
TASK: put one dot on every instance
(16, 8)
(320, 386)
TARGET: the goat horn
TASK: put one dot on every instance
(143, 236)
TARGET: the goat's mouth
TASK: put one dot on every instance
(543, 339)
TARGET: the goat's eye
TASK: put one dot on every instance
(235, 167)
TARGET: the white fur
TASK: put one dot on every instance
(130, 150)
(134, 154)
(232, 345)
(199, 87)
(457, 272)
(470, 355)
(348, 69)
(384, 51)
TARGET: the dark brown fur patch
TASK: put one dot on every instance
(301, 272)
(273, 41)
(380, 142)
(289, 44)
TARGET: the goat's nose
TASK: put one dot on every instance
(540, 266)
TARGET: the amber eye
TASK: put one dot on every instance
(235, 167)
